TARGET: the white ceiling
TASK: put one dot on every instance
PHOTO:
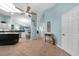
(35, 7)
(38, 8)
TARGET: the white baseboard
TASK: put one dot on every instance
(63, 49)
(59, 46)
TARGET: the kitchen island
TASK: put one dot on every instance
(9, 37)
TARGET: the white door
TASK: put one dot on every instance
(70, 31)
(66, 32)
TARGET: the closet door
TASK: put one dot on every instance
(75, 35)
(70, 31)
(67, 42)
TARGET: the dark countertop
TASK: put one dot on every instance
(13, 31)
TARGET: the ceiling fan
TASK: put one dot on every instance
(28, 11)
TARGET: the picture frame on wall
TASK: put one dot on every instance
(48, 26)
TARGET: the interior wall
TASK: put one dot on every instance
(54, 15)
(15, 20)
(6, 25)
(20, 20)
(5, 18)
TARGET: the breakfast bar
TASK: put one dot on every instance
(9, 37)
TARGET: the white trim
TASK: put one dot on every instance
(59, 46)
(63, 48)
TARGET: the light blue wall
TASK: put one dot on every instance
(5, 18)
(12, 20)
(54, 15)
(9, 21)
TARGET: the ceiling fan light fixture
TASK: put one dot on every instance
(26, 13)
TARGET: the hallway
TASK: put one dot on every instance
(31, 48)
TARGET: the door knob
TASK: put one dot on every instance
(63, 34)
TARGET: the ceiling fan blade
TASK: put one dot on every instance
(29, 15)
(22, 13)
(28, 8)
(33, 13)
(19, 9)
